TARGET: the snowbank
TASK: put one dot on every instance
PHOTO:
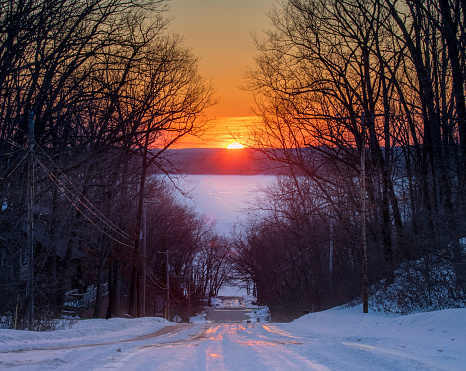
(439, 330)
(83, 332)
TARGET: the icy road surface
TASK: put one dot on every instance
(329, 341)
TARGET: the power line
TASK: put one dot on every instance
(93, 209)
(156, 280)
(54, 180)
(14, 169)
(61, 186)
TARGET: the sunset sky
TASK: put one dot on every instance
(219, 33)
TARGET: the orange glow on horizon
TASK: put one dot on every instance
(222, 132)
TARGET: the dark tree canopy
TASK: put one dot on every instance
(336, 80)
(108, 88)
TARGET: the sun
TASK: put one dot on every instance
(235, 146)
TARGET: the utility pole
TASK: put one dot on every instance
(30, 230)
(168, 287)
(168, 283)
(189, 295)
(365, 298)
(331, 245)
(143, 236)
(189, 291)
(144, 256)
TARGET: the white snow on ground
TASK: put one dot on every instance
(440, 335)
(261, 314)
(84, 332)
(337, 339)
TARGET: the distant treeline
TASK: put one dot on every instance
(219, 161)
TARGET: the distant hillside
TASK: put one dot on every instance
(218, 161)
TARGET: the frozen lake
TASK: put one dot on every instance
(223, 198)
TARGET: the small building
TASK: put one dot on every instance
(232, 301)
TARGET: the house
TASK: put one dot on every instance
(232, 301)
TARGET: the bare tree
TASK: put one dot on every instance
(336, 79)
(107, 84)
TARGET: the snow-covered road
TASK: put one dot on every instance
(217, 347)
(333, 340)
